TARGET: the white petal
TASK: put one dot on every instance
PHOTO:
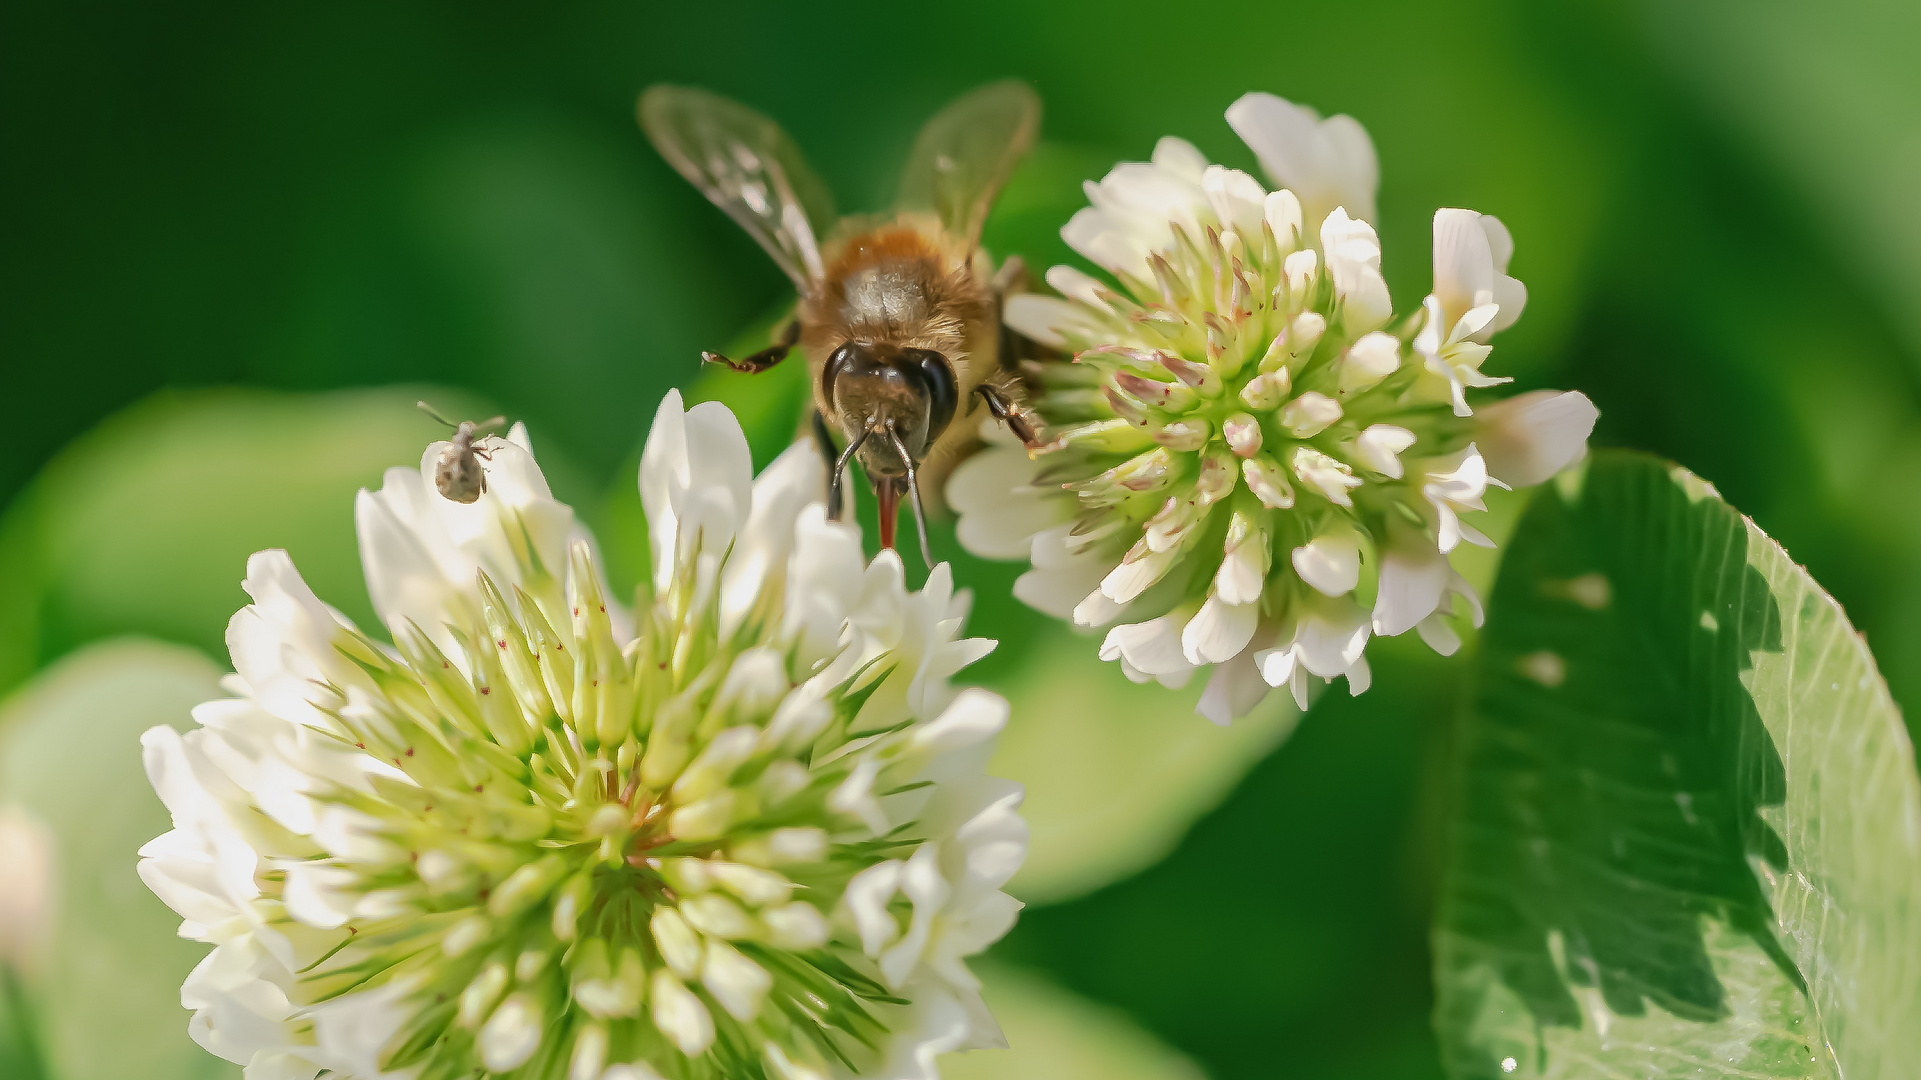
(1277, 665)
(1238, 199)
(1000, 508)
(736, 982)
(680, 1016)
(1152, 647)
(1243, 571)
(1353, 255)
(797, 925)
(1097, 610)
(794, 479)
(1438, 634)
(1509, 293)
(1129, 580)
(1076, 285)
(1218, 632)
(511, 1035)
(316, 894)
(1328, 163)
(1325, 474)
(1380, 447)
(1369, 360)
(1059, 592)
(1233, 691)
(1282, 212)
(663, 464)
(1179, 157)
(1463, 264)
(1530, 437)
(1050, 320)
(696, 482)
(1413, 575)
(1330, 637)
(679, 946)
(972, 718)
(1359, 677)
(866, 899)
(352, 1030)
(1308, 415)
(1331, 562)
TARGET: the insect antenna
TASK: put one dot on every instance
(429, 410)
(913, 491)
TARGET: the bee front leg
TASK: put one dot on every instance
(764, 359)
(1009, 412)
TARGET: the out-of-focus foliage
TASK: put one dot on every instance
(1114, 782)
(1689, 832)
(1710, 200)
(144, 525)
(1055, 1035)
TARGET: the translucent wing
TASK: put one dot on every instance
(966, 152)
(748, 167)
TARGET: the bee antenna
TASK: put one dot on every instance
(429, 410)
(840, 470)
(913, 491)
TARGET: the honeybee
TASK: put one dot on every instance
(899, 315)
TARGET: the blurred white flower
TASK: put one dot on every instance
(525, 838)
(1257, 464)
(26, 888)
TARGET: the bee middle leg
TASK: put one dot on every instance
(764, 359)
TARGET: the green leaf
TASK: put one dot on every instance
(1688, 824)
(1053, 1034)
(144, 525)
(106, 995)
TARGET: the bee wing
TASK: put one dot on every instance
(966, 152)
(747, 166)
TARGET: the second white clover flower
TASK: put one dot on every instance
(1258, 465)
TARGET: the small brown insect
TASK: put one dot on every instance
(899, 316)
(458, 474)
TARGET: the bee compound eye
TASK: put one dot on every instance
(936, 377)
(851, 357)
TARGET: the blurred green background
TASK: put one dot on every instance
(214, 215)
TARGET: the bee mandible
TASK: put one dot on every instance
(458, 474)
(900, 314)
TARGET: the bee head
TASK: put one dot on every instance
(901, 398)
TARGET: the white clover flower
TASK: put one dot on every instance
(1258, 465)
(750, 837)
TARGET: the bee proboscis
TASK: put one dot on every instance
(899, 315)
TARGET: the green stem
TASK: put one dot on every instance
(19, 1040)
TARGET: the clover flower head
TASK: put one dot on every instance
(1258, 464)
(743, 831)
